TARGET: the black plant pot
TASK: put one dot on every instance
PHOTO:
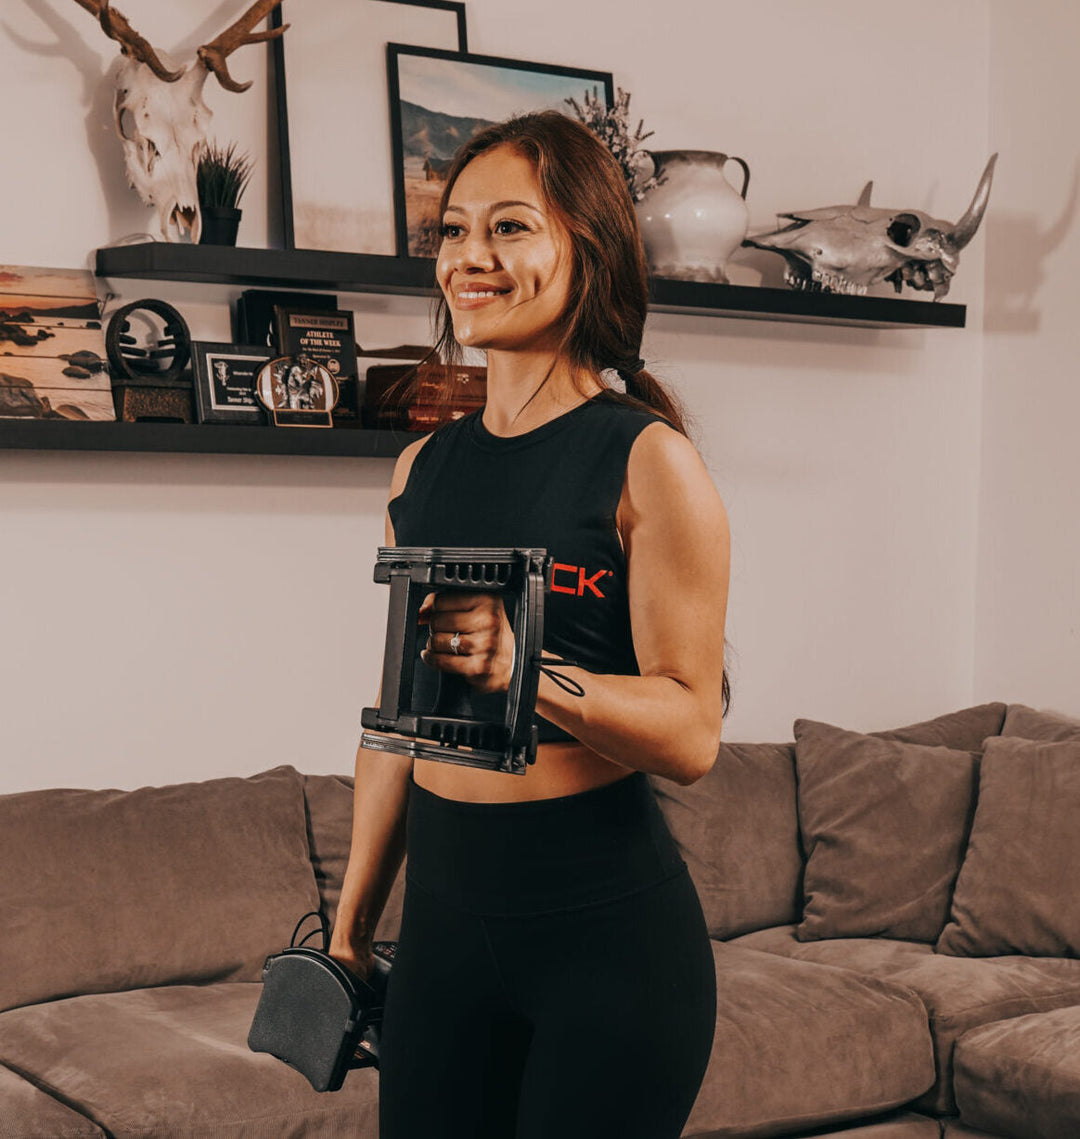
(219, 225)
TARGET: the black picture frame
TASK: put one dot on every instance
(214, 402)
(416, 233)
(293, 141)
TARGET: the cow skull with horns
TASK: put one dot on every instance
(160, 115)
(845, 249)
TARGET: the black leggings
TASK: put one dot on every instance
(554, 977)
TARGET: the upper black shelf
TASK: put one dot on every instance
(415, 276)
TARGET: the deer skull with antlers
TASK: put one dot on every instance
(160, 114)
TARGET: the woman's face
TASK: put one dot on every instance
(501, 242)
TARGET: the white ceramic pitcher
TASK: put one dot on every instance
(694, 219)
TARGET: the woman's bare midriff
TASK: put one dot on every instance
(560, 769)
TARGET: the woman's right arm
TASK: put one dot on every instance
(380, 802)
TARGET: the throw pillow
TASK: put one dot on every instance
(1017, 887)
(182, 884)
(884, 824)
(964, 730)
(1034, 724)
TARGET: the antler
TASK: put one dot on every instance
(115, 25)
(216, 52)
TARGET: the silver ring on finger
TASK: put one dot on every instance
(455, 644)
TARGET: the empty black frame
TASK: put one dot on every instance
(416, 231)
(289, 149)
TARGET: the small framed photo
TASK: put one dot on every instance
(439, 99)
(225, 377)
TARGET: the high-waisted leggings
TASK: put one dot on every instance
(554, 977)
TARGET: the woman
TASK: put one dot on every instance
(554, 975)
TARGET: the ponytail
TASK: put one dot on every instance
(645, 390)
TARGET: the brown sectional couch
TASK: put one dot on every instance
(136, 923)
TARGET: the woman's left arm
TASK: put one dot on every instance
(678, 549)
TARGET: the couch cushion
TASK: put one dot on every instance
(107, 890)
(330, 810)
(1017, 890)
(737, 830)
(954, 1129)
(173, 1063)
(884, 823)
(964, 730)
(894, 1125)
(959, 993)
(800, 1045)
(28, 1112)
(891, 1125)
(1021, 1077)
(1037, 724)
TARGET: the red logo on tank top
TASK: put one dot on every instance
(583, 582)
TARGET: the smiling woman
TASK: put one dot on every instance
(548, 891)
(504, 264)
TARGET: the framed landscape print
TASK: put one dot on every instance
(440, 99)
(52, 349)
(337, 181)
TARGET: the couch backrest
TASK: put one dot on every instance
(329, 811)
(738, 830)
(108, 890)
(737, 827)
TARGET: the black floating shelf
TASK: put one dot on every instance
(216, 438)
(270, 268)
(415, 276)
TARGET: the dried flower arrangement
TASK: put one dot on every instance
(612, 127)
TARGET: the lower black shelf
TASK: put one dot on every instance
(208, 438)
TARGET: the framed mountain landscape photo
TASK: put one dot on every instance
(52, 349)
(440, 99)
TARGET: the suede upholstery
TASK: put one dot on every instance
(964, 730)
(328, 802)
(1036, 724)
(799, 1045)
(835, 1038)
(745, 864)
(905, 1125)
(959, 993)
(1017, 891)
(27, 1112)
(884, 824)
(329, 814)
(1021, 1077)
(156, 886)
(184, 1070)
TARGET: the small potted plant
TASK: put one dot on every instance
(222, 177)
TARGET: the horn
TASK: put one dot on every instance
(864, 197)
(965, 228)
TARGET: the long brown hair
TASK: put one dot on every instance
(584, 187)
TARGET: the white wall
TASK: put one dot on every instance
(152, 633)
(1028, 616)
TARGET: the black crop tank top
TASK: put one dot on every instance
(555, 487)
